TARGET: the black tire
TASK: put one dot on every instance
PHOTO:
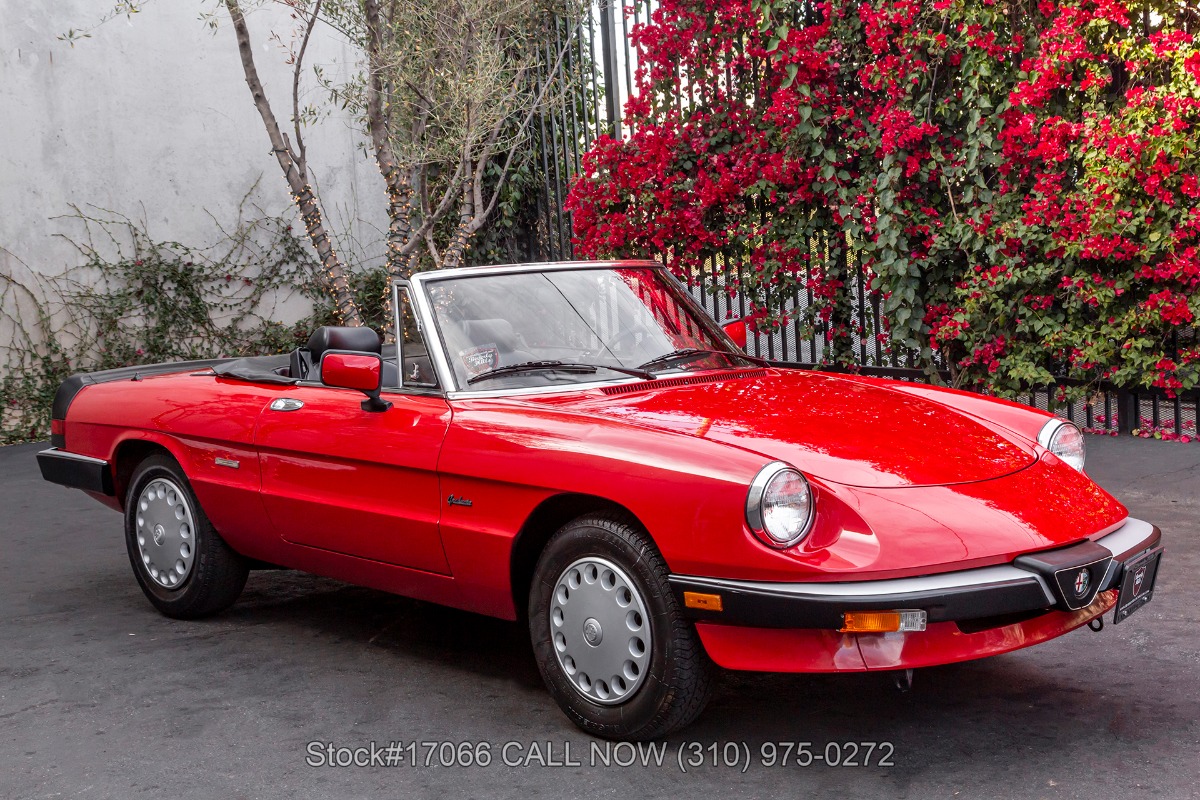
(216, 574)
(679, 680)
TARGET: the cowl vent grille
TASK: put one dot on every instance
(663, 383)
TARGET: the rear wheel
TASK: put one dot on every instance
(608, 637)
(184, 567)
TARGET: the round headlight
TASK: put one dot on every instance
(779, 506)
(1065, 440)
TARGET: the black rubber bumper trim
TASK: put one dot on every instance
(76, 471)
(1028, 587)
(764, 609)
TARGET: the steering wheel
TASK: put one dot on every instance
(627, 336)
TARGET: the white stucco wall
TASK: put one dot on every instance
(151, 118)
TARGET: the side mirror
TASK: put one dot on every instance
(736, 330)
(344, 369)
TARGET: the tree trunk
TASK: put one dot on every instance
(452, 256)
(295, 170)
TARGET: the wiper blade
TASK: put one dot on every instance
(558, 366)
(692, 353)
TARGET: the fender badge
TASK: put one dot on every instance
(459, 501)
(228, 462)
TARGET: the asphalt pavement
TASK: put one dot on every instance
(100, 696)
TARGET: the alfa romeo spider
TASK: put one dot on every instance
(579, 446)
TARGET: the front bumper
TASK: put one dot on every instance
(1007, 593)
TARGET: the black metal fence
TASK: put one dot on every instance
(600, 63)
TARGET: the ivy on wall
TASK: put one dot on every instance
(138, 300)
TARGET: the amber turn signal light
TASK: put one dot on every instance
(882, 621)
(704, 602)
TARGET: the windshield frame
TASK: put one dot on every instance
(435, 342)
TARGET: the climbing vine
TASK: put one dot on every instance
(134, 299)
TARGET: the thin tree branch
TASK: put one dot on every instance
(297, 176)
(301, 152)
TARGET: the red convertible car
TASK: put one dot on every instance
(580, 446)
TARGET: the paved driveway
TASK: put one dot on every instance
(102, 697)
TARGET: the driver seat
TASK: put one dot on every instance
(306, 361)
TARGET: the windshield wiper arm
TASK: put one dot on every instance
(692, 353)
(559, 366)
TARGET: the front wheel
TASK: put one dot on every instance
(608, 637)
(184, 567)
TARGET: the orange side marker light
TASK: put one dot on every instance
(704, 602)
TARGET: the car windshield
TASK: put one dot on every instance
(633, 318)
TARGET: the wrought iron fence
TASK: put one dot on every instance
(601, 64)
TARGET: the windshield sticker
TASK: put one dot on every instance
(479, 360)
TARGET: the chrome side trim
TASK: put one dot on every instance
(54, 452)
(979, 577)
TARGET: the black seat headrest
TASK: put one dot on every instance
(329, 337)
(497, 333)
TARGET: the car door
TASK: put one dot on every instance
(361, 483)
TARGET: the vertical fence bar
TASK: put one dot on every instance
(612, 99)
(547, 212)
(592, 71)
(569, 62)
(558, 128)
(628, 60)
(1127, 411)
(862, 306)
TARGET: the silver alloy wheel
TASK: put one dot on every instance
(166, 533)
(600, 630)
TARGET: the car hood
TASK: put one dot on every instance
(840, 430)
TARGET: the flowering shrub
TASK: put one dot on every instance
(1019, 181)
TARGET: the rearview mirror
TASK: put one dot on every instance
(736, 330)
(344, 369)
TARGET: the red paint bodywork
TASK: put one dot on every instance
(782, 650)
(908, 480)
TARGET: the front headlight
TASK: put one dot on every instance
(779, 505)
(1065, 440)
